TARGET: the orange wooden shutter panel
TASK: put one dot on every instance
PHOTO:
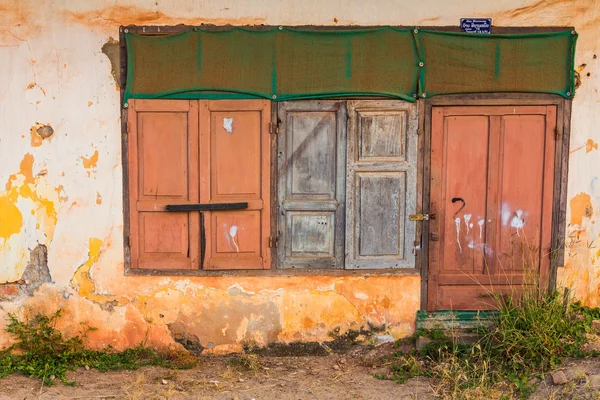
(234, 167)
(163, 169)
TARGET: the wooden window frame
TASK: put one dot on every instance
(561, 166)
(423, 160)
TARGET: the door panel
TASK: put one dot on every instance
(492, 181)
(311, 163)
(380, 215)
(234, 167)
(463, 208)
(163, 170)
(235, 139)
(380, 184)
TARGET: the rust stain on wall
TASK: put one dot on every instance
(131, 15)
(581, 206)
(98, 198)
(15, 22)
(575, 13)
(83, 283)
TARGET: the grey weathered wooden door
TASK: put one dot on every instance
(381, 184)
(311, 171)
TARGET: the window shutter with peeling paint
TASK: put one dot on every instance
(311, 168)
(381, 184)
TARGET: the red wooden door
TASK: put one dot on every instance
(234, 167)
(492, 181)
(163, 166)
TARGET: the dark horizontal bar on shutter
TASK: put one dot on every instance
(207, 207)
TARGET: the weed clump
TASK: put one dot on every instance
(528, 336)
(41, 351)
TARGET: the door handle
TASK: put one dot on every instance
(421, 217)
(207, 207)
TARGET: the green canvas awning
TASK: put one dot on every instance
(288, 64)
(479, 63)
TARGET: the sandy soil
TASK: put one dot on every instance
(347, 376)
(336, 376)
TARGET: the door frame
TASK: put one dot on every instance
(561, 171)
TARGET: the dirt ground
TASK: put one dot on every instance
(336, 376)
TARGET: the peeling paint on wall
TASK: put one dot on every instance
(581, 206)
(39, 133)
(55, 50)
(90, 163)
(111, 50)
(85, 286)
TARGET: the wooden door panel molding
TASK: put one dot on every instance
(491, 186)
(234, 167)
(381, 183)
(311, 184)
(163, 168)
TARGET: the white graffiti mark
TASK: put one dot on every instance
(228, 124)
(505, 214)
(517, 222)
(481, 246)
(480, 223)
(467, 217)
(233, 233)
(457, 221)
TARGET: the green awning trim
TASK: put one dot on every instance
(480, 63)
(290, 64)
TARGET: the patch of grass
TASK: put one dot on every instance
(41, 351)
(529, 336)
(246, 363)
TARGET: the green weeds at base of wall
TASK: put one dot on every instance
(41, 351)
(528, 337)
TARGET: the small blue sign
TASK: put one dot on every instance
(476, 25)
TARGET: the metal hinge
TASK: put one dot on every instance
(273, 128)
(556, 134)
(273, 241)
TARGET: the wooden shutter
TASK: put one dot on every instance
(234, 167)
(311, 163)
(492, 182)
(163, 169)
(381, 184)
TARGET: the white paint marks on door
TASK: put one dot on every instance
(233, 232)
(457, 222)
(517, 222)
(505, 214)
(480, 223)
(228, 124)
(467, 218)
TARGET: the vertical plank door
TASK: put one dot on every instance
(381, 184)
(234, 167)
(163, 169)
(492, 182)
(311, 184)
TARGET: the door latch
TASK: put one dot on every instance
(421, 217)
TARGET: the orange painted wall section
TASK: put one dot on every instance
(61, 185)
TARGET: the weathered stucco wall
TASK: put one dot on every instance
(61, 188)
